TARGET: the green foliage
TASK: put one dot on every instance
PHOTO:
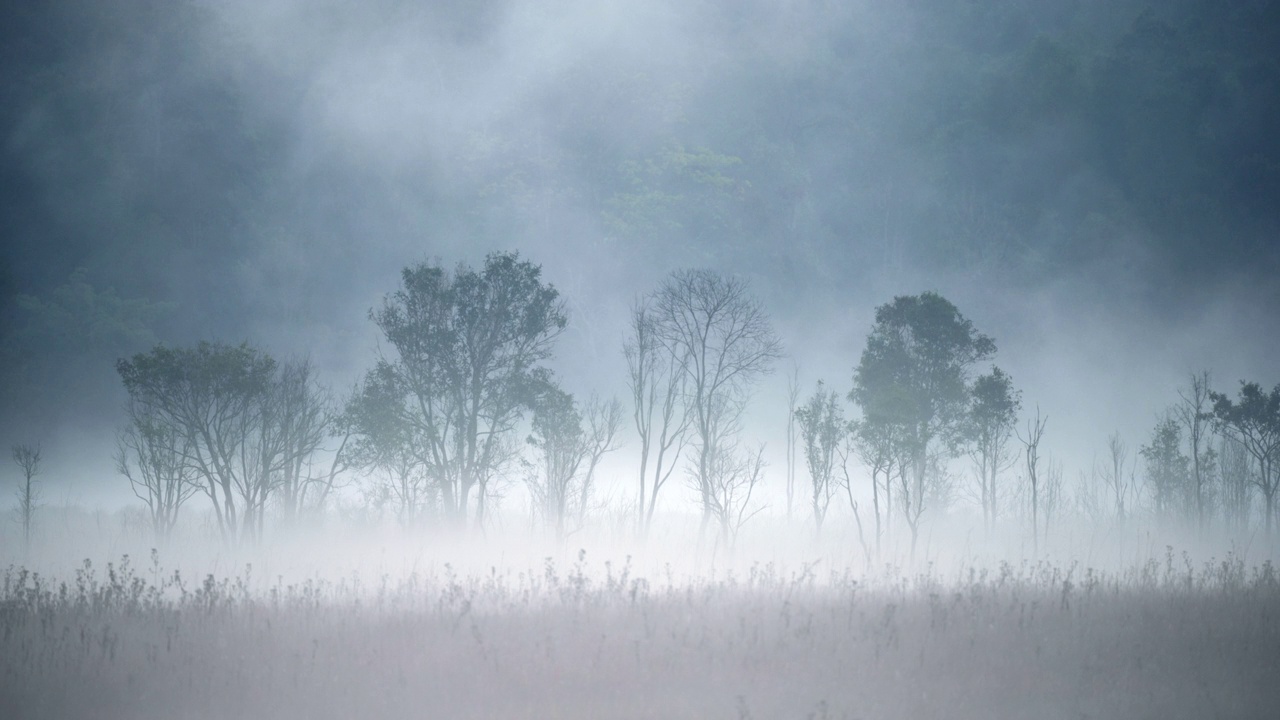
(1168, 470)
(677, 193)
(468, 346)
(822, 429)
(1253, 420)
(995, 404)
(914, 371)
(64, 339)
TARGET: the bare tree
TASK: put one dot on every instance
(1113, 477)
(723, 341)
(1031, 455)
(152, 455)
(28, 459)
(822, 428)
(793, 399)
(1236, 474)
(875, 445)
(1195, 411)
(923, 485)
(733, 477)
(603, 419)
(307, 419)
(1085, 500)
(1052, 494)
(657, 382)
(845, 449)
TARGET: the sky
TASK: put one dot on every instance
(265, 170)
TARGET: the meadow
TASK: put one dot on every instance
(580, 636)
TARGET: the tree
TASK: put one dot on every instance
(793, 399)
(1167, 469)
(1031, 455)
(467, 350)
(914, 376)
(1195, 411)
(153, 455)
(246, 424)
(822, 428)
(732, 479)
(875, 444)
(1052, 495)
(1113, 474)
(306, 418)
(28, 459)
(383, 441)
(990, 426)
(847, 447)
(657, 382)
(1253, 420)
(214, 397)
(571, 447)
(722, 339)
(1236, 475)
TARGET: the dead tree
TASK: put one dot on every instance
(723, 340)
(793, 398)
(1031, 447)
(1113, 474)
(28, 459)
(153, 455)
(657, 383)
(1195, 411)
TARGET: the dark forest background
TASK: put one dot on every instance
(175, 171)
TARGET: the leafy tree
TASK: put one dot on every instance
(1253, 420)
(989, 428)
(571, 448)
(213, 396)
(383, 441)
(822, 429)
(1168, 470)
(246, 425)
(913, 377)
(467, 350)
(721, 338)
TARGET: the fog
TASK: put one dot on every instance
(1093, 184)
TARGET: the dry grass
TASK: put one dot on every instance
(1164, 640)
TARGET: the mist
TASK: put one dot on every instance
(1093, 185)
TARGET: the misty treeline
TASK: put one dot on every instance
(459, 409)
(809, 140)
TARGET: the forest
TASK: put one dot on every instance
(705, 359)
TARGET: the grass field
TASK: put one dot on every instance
(1164, 639)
